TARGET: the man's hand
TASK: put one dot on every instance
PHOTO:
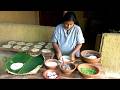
(59, 54)
(72, 57)
(76, 49)
(57, 50)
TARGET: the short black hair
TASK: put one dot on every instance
(70, 16)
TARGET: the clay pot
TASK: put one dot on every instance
(68, 71)
(86, 53)
(51, 63)
(86, 65)
(51, 70)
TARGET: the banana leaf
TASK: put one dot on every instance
(30, 63)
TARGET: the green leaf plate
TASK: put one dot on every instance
(31, 64)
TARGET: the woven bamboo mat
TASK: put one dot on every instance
(110, 53)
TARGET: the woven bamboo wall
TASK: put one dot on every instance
(110, 51)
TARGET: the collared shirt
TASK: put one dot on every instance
(67, 39)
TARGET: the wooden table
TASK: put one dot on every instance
(74, 75)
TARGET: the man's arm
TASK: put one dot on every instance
(76, 49)
(80, 41)
(57, 50)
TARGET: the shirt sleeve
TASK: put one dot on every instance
(54, 36)
(80, 38)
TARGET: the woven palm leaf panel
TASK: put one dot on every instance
(110, 52)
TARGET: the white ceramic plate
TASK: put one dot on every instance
(6, 46)
(29, 44)
(17, 46)
(12, 42)
(41, 43)
(38, 46)
(20, 43)
(25, 48)
(46, 51)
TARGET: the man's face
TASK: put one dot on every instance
(68, 24)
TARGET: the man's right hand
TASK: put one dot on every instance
(57, 50)
(59, 54)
